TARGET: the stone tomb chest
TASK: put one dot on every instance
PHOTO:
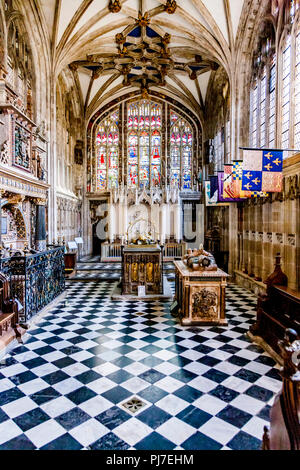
(200, 295)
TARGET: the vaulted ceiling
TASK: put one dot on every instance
(116, 46)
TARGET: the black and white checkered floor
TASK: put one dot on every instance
(102, 374)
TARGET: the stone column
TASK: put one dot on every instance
(162, 233)
(40, 229)
(111, 228)
(177, 222)
(3, 92)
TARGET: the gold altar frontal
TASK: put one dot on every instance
(142, 265)
(200, 295)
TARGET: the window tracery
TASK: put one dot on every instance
(144, 144)
(277, 66)
(107, 152)
(285, 96)
(136, 145)
(181, 152)
(297, 94)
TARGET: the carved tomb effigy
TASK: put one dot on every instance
(200, 289)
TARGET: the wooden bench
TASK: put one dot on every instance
(277, 310)
(9, 317)
(284, 432)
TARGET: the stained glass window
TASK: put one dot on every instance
(181, 151)
(297, 95)
(144, 144)
(272, 103)
(107, 152)
(286, 79)
(263, 99)
(253, 115)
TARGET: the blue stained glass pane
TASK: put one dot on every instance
(132, 158)
(186, 178)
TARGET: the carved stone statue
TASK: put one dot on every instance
(200, 260)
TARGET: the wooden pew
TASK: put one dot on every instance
(277, 310)
(8, 309)
(284, 433)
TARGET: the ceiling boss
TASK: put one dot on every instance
(114, 6)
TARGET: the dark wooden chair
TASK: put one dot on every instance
(70, 263)
(284, 433)
(8, 308)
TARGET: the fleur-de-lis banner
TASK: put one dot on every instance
(232, 187)
(262, 170)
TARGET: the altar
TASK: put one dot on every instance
(142, 266)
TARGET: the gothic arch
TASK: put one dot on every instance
(19, 218)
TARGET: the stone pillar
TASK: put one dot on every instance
(3, 93)
(163, 220)
(111, 228)
(232, 231)
(40, 229)
(177, 222)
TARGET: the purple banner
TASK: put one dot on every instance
(220, 190)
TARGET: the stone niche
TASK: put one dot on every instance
(13, 225)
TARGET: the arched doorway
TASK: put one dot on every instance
(99, 226)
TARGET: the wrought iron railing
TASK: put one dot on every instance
(35, 280)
